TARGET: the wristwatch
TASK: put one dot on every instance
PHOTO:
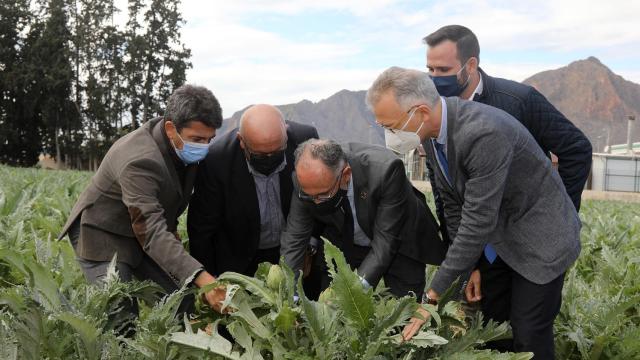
(426, 299)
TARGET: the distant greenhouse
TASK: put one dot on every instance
(618, 171)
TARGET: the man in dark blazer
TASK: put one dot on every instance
(498, 188)
(130, 208)
(369, 209)
(453, 61)
(243, 192)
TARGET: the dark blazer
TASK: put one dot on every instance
(505, 192)
(132, 204)
(224, 215)
(390, 211)
(551, 130)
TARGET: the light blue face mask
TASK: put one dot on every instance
(191, 152)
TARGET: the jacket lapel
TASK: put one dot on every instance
(245, 186)
(361, 193)
(452, 117)
(286, 184)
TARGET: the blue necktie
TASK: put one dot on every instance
(443, 160)
(489, 251)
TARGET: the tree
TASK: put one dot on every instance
(53, 57)
(165, 58)
(134, 54)
(19, 137)
(72, 81)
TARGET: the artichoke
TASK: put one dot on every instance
(275, 277)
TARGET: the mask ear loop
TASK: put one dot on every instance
(420, 127)
(174, 143)
(466, 83)
(409, 119)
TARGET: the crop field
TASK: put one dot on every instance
(47, 311)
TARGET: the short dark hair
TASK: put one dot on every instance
(327, 151)
(466, 41)
(193, 103)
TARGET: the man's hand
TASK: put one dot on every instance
(415, 324)
(215, 296)
(472, 290)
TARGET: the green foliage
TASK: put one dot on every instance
(71, 77)
(48, 311)
(601, 297)
(359, 324)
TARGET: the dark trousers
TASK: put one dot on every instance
(405, 275)
(531, 308)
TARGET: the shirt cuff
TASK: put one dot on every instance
(365, 283)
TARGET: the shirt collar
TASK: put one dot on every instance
(478, 89)
(350, 189)
(442, 136)
(255, 173)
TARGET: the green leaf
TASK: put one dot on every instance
(404, 308)
(423, 339)
(321, 320)
(241, 335)
(40, 277)
(87, 332)
(354, 301)
(252, 285)
(286, 319)
(213, 344)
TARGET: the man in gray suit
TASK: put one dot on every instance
(361, 195)
(131, 207)
(498, 188)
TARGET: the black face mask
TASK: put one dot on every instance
(266, 164)
(332, 205)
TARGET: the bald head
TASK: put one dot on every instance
(319, 164)
(262, 129)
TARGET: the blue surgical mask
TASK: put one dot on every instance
(191, 153)
(449, 85)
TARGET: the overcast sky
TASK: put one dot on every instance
(279, 52)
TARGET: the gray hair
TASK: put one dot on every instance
(193, 103)
(327, 151)
(410, 87)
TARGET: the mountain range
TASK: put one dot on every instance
(594, 98)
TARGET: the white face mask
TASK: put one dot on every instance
(401, 141)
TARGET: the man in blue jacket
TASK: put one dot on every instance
(453, 58)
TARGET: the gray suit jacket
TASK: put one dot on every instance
(505, 192)
(132, 205)
(389, 210)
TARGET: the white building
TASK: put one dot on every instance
(615, 172)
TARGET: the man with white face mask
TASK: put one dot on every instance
(400, 140)
(498, 189)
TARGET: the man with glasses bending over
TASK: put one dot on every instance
(243, 191)
(362, 196)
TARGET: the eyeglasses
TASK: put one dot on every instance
(320, 198)
(412, 110)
